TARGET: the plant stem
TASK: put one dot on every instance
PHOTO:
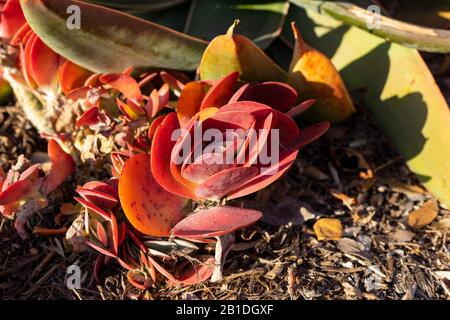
(407, 34)
(30, 104)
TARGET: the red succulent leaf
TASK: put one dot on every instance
(221, 92)
(62, 166)
(12, 18)
(17, 191)
(172, 81)
(72, 76)
(195, 274)
(100, 249)
(149, 208)
(309, 135)
(99, 198)
(102, 235)
(154, 125)
(161, 270)
(265, 178)
(161, 154)
(32, 173)
(89, 117)
(115, 233)
(157, 101)
(302, 107)
(223, 182)
(215, 222)
(42, 64)
(147, 79)
(90, 206)
(125, 84)
(277, 95)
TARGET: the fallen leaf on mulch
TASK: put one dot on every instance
(400, 235)
(328, 229)
(424, 216)
(346, 200)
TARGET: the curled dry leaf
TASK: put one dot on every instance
(328, 229)
(423, 216)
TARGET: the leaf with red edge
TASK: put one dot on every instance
(12, 19)
(100, 249)
(302, 107)
(62, 166)
(272, 173)
(309, 134)
(90, 206)
(277, 95)
(43, 65)
(19, 190)
(102, 235)
(161, 270)
(161, 154)
(221, 92)
(89, 117)
(149, 208)
(115, 234)
(215, 222)
(102, 199)
(195, 274)
(220, 184)
(72, 76)
(154, 125)
(174, 83)
(190, 101)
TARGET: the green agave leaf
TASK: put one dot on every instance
(260, 20)
(110, 41)
(138, 5)
(422, 38)
(398, 89)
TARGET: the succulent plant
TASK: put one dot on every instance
(182, 146)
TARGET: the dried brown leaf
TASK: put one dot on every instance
(424, 216)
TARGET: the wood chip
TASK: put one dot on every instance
(400, 235)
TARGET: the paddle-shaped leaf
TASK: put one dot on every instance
(232, 52)
(110, 41)
(215, 222)
(148, 207)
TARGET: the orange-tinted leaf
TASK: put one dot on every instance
(149, 208)
(62, 166)
(72, 76)
(12, 19)
(125, 84)
(190, 101)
